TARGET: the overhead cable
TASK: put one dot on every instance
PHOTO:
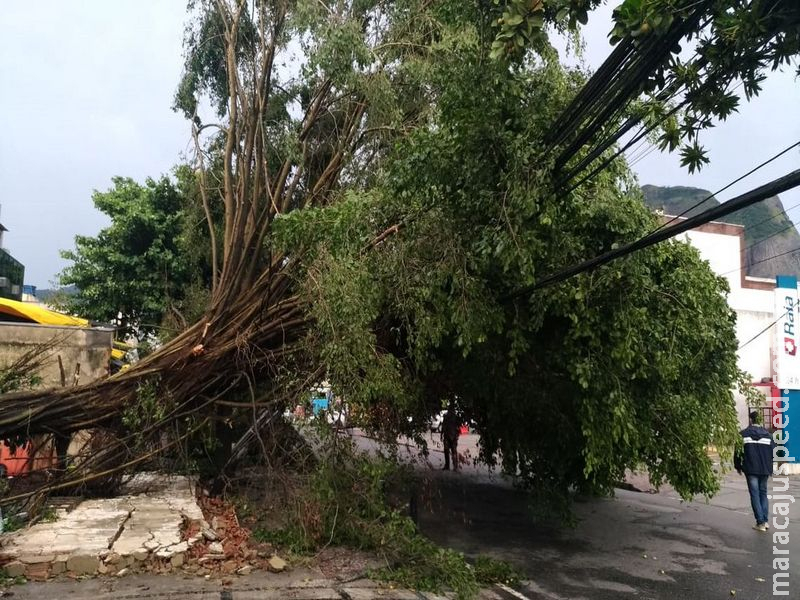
(758, 194)
(731, 184)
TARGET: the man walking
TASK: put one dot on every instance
(755, 460)
(451, 429)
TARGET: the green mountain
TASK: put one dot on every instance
(45, 295)
(772, 242)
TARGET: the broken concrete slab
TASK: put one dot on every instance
(180, 547)
(211, 557)
(148, 518)
(39, 558)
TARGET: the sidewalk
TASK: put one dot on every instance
(154, 542)
(298, 584)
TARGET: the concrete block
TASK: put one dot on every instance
(215, 548)
(83, 564)
(58, 566)
(15, 569)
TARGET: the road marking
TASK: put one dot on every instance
(511, 591)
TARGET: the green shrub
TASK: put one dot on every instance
(347, 502)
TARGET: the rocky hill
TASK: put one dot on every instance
(768, 230)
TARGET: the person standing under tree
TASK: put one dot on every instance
(451, 429)
(755, 460)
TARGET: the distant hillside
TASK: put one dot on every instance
(45, 295)
(768, 231)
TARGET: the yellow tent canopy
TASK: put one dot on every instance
(34, 313)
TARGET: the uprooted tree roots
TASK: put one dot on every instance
(193, 378)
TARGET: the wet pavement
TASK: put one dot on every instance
(635, 545)
(649, 546)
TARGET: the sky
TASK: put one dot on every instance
(87, 87)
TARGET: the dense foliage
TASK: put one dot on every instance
(375, 199)
(629, 365)
(734, 44)
(139, 270)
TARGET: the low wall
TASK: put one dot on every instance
(89, 348)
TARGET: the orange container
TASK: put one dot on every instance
(16, 462)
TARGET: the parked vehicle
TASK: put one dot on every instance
(321, 402)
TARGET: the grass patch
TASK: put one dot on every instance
(6, 580)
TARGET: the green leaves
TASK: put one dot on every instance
(605, 360)
(693, 157)
(449, 202)
(135, 268)
(519, 26)
(739, 44)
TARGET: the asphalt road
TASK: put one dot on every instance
(635, 545)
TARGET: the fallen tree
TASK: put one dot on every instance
(375, 189)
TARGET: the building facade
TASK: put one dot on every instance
(12, 272)
(767, 328)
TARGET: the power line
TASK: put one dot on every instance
(731, 184)
(763, 260)
(771, 235)
(763, 331)
(759, 194)
(606, 94)
(785, 213)
(668, 93)
(638, 159)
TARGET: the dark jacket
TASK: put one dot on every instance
(755, 458)
(451, 426)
